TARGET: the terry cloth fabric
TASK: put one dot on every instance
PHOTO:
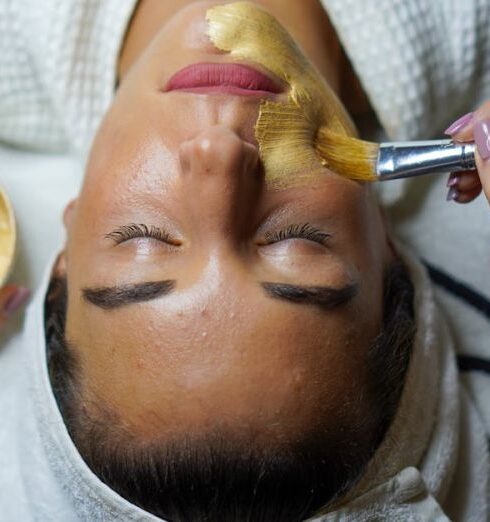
(432, 465)
(435, 453)
(422, 63)
(52, 97)
(58, 70)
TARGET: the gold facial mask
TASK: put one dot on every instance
(286, 132)
(7, 237)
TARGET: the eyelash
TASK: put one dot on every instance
(305, 231)
(127, 232)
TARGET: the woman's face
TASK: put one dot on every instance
(249, 306)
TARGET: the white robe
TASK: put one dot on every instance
(422, 64)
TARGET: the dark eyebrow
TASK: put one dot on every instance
(324, 297)
(111, 297)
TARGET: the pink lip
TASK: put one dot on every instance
(223, 78)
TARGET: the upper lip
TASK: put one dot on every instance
(231, 75)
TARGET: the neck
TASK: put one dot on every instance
(306, 21)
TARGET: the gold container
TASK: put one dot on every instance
(7, 237)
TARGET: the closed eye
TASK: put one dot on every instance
(127, 232)
(305, 231)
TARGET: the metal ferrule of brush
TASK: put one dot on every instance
(404, 160)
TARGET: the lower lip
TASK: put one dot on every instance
(234, 79)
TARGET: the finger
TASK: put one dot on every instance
(462, 128)
(12, 298)
(6, 293)
(463, 197)
(467, 181)
(482, 141)
(469, 196)
(464, 187)
(475, 127)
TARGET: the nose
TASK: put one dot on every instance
(222, 178)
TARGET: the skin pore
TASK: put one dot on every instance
(199, 296)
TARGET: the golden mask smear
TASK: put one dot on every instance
(7, 237)
(286, 132)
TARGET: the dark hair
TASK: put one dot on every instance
(219, 476)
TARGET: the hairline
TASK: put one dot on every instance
(377, 361)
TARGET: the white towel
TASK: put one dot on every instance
(433, 464)
(392, 44)
(422, 63)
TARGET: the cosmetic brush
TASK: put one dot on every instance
(367, 161)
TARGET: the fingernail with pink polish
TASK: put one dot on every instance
(453, 194)
(453, 180)
(482, 138)
(459, 124)
(15, 301)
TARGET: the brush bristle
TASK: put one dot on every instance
(347, 156)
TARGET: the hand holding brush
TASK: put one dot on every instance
(462, 155)
(466, 186)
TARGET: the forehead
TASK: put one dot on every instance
(235, 357)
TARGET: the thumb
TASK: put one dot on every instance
(481, 133)
(476, 127)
